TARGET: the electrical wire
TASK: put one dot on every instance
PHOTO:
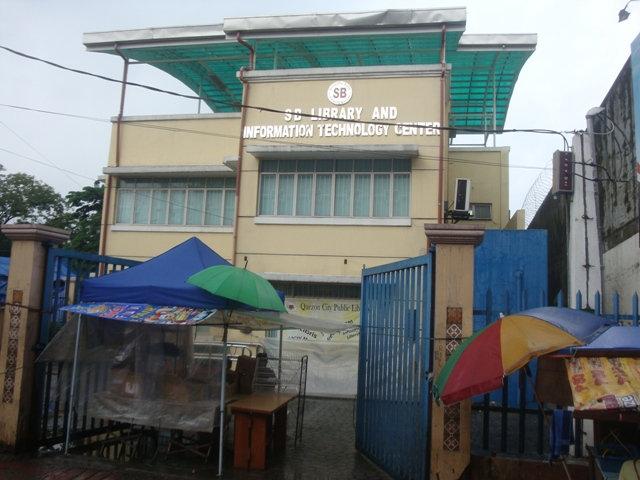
(222, 217)
(341, 148)
(57, 167)
(240, 105)
(23, 140)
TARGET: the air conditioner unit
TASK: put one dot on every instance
(463, 195)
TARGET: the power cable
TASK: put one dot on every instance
(23, 140)
(240, 105)
(71, 172)
(345, 148)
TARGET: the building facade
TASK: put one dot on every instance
(330, 147)
(594, 228)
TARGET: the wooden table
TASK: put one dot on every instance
(259, 418)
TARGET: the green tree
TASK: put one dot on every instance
(23, 199)
(82, 218)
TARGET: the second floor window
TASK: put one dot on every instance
(335, 188)
(176, 201)
(481, 211)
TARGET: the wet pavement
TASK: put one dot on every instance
(326, 452)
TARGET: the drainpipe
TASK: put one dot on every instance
(109, 181)
(443, 71)
(243, 114)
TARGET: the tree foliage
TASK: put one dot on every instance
(23, 199)
(82, 218)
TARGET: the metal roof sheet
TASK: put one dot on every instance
(484, 67)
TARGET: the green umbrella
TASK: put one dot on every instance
(238, 284)
(246, 287)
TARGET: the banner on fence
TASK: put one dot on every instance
(137, 312)
(604, 383)
(341, 310)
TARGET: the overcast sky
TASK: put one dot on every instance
(581, 49)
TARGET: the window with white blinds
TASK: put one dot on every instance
(176, 201)
(335, 188)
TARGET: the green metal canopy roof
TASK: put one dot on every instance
(484, 68)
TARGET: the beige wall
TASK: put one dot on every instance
(321, 249)
(142, 245)
(194, 140)
(488, 170)
(517, 221)
(172, 141)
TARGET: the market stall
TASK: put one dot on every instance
(600, 382)
(131, 342)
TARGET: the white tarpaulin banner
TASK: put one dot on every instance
(333, 357)
(332, 369)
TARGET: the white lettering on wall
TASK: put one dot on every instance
(384, 113)
(332, 127)
(278, 131)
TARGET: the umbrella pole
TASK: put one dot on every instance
(280, 359)
(222, 399)
(73, 387)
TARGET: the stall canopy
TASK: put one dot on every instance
(160, 280)
(157, 292)
(601, 376)
(618, 341)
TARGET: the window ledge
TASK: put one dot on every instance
(382, 222)
(172, 228)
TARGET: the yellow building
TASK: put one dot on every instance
(331, 146)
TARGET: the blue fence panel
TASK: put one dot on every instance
(66, 269)
(498, 412)
(512, 264)
(64, 274)
(510, 275)
(394, 361)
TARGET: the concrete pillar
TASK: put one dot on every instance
(453, 321)
(20, 328)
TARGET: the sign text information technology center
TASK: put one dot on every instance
(339, 93)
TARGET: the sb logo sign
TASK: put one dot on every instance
(339, 92)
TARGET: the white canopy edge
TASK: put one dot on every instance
(250, 320)
(454, 18)
(354, 23)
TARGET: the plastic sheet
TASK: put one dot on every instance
(141, 374)
(333, 367)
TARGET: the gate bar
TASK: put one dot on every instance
(73, 386)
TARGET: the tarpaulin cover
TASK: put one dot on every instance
(604, 383)
(137, 373)
(167, 315)
(4, 266)
(614, 339)
(267, 320)
(333, 367)
(584, 326)
(4, 275)
(160, 280)
(140, 312)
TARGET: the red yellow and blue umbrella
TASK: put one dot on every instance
(481, 362)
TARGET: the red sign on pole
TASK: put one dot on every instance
(563, 165)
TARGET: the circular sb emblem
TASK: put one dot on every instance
(339, 92)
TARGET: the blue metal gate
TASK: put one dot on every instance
(394, 363)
